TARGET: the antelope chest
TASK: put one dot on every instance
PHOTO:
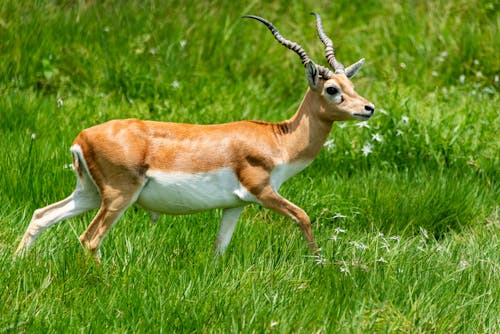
(283, 172)
(182, 193)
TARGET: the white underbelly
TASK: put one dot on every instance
(181, 193)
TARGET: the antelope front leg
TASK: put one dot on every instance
(272, 200)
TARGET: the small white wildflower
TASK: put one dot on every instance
(383, 111)
(360, 245)
(273, 324)
(175, 84)
(395, 238)
(153, 51)
(488, 90)
(382, 260)
(434, 73)
(339, 230)
(320, 260)
(444, 54)
(405, 119)
(329, 144)
(367, 149)
(342, 125)
(377, 137)
(476, 62)
(339, 215)
(463, 264)
(68, 166)
(106, 29)
(479, 74)
(33, 136)
(496, 79)
(385, 246)
(461, 78)
(60, 102)
(182, 43)
(402, 65)
(399, 132)
(344, 270)
(363, 124)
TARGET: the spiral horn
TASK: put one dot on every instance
(329, 49)
(323, 71)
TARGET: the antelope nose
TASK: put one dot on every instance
(370, 108)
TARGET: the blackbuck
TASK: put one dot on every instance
(174, 168)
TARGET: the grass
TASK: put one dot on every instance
(409, 232)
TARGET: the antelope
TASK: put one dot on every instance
(174, 168)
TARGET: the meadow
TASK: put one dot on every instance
(405, 207)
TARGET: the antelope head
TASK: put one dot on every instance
(337, 98)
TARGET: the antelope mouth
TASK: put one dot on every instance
(362, 117)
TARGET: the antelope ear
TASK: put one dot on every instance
(312, 74)
(354, 68)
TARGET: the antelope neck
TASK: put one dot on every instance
(307, 130)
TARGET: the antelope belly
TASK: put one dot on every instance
(180, 193)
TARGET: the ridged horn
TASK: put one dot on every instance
(329, 49)
(323, 71)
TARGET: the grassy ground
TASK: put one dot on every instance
(409, 232)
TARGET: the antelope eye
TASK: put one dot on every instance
(332, 90)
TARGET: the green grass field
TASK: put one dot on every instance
(409, 229)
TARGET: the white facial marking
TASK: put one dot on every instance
(333, 93)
